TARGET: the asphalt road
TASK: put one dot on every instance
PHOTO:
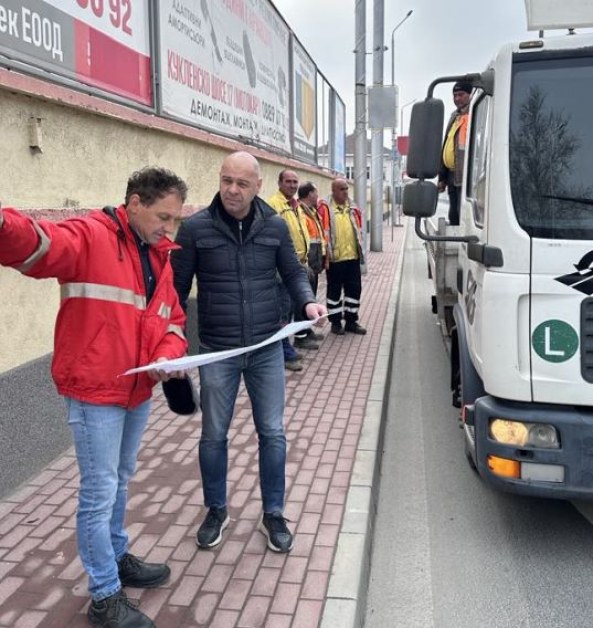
(449, 551)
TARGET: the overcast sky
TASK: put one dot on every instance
(441, 37)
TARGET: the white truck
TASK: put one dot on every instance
(521, 318)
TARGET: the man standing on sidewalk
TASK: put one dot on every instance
(284, 201)
(235, 248)
(308, 199)
(342, 223)
(118, 310)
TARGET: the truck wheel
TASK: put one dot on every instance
(455, 372)
(433, 304)
(449, 319)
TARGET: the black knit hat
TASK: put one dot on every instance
(462, 86)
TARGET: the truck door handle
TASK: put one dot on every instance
(485, 254)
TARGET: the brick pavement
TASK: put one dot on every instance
(240, 583)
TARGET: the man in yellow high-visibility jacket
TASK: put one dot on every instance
(284, 201)
(453, 153)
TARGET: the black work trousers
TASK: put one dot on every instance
(454, 201)
(344, 276)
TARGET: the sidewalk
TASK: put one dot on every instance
(333, 416)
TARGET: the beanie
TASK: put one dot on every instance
(463, 86)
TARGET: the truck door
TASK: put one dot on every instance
(472, 215)
(551, 152)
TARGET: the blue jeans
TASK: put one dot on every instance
(263, 373)
(106, 440)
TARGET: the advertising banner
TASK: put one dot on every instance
(305, 99)
(102, 43)
(224, 67)
(338, 161)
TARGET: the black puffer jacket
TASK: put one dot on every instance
(238, 300)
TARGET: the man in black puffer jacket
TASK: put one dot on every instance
(235, 248)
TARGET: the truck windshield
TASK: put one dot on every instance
(551, 144)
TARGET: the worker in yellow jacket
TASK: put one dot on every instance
(453, 153)
(284, 201)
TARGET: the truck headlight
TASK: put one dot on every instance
(542, 435)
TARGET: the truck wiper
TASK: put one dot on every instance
(570, 199)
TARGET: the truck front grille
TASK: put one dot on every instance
(587, 340)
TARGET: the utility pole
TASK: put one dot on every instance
(360, 131)
(377, 134)
(395, 156)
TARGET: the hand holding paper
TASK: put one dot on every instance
(193, 361)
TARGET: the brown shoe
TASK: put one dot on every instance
(293, 365)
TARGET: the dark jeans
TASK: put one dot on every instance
(346, 276)
(263, 373)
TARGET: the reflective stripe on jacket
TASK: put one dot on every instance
(104, 325)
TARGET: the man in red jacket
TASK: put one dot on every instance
(118, 310)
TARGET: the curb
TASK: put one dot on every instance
(346, 596)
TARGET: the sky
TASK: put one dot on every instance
(441, 37)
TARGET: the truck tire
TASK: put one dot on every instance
(433, 304)
(455, 383)
(449, 320)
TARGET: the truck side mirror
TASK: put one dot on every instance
(420, 199)
(426, 138)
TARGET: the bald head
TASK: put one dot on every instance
(242, 159)
(240, 182)
(340, 191)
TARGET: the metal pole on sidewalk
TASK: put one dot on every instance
(377, 134)
(360, 131)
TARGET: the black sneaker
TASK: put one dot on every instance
(306, 343)
(293, 365)
(337, 329)
(355, 328)
(134, 572)
(315, 336)
(210, 532)
(118, 612)
(273, 525)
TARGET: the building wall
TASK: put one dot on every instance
(87, 149)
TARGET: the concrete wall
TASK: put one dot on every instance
(88, 148)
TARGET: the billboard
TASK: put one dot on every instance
(224, 67)
(338, 133)
(102, 43)
(304, 104)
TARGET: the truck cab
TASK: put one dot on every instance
(522, 330)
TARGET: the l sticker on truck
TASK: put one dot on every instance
(555, 341)
(582, 280)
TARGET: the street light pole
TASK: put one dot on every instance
(394, 130)
(393, 45)
(401, 124)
